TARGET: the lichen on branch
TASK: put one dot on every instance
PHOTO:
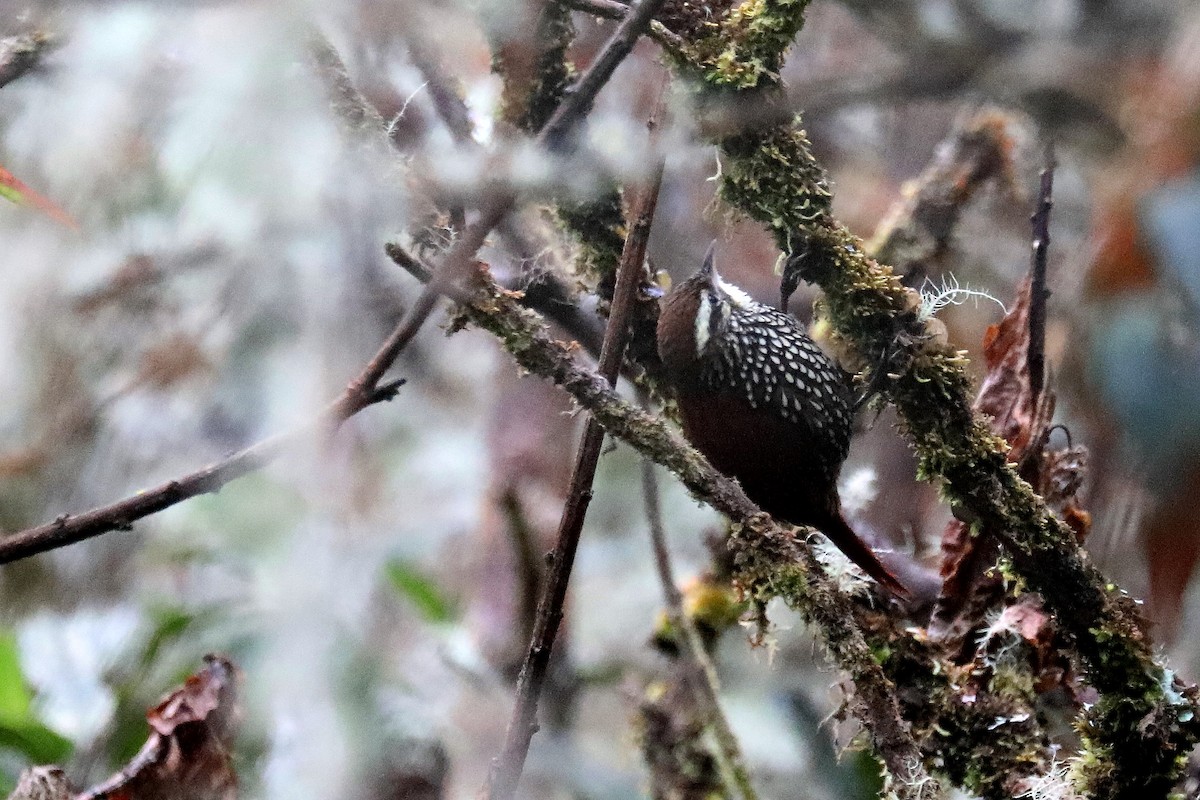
(1139, 733)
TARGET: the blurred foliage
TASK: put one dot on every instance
(252, 514)
(20, 728)
(411, 583)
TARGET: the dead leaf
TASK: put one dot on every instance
(187, 755)
(1023, 419)
(170, 361)
(139, 271)
(1005, 394)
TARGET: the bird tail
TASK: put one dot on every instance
(842, 535)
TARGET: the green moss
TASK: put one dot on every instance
(532, 91)
(746, 49)
(772, 176)
(1134, 739)
(598, 227)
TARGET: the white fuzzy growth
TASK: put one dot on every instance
(858, 490)
(1055, 784)
(702, 317)
(736, 296)
(934, 298)
(849, 576)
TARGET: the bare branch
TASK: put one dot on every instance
(547, 292)
(701, 674)
(506, 771)
(1038, 294)
(611, 9)
(579, 98)
(358, 117)
(1150, 719)
(119, 516)
(363, 390)
(916, 233)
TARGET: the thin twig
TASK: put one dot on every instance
(72, 528)
(506, 769)
(579, 97)
(446, 100)
(528, 565)
(915, 234)
(1038, 294)
(351, 110)
(605, 9)
(573, 108)
(449, 105)
(547, 292)
(364, 390)
(536, 351)
(701, 673)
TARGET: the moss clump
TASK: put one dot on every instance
(599, 229)
(534, 86)
(745, 48)
(772, 176)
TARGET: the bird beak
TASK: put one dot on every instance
(708, 270)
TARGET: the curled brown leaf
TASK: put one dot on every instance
(187, 755)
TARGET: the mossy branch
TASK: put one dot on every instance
(1140, 732)
(772, 561)
(533, 87)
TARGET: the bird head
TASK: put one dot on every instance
(714, 300)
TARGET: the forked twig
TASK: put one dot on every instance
(365, 389)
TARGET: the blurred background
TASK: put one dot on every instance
(223, 276)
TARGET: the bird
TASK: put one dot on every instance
(762, 402)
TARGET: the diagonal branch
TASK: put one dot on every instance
(364, 389)
(767, 554)
(1147, 720)
(611, 9)
(72, 528)
(1038, 293)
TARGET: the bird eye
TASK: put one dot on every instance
(718, 311)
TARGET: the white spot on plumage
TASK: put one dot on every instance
(765, 357)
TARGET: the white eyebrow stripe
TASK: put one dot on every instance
(736, 295)
(702, 319)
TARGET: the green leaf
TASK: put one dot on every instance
(37, 742)
(20, 730)
(15, 696)
(420, 590)
(169, 623)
